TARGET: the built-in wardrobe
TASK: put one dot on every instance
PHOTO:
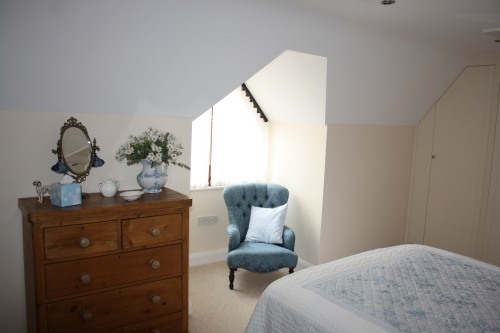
(455, 190)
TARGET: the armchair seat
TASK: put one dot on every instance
(259, 257)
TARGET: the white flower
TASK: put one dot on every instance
(156, 135)
(128, 149)
(153, 146)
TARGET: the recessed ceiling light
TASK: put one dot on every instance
(388, 2)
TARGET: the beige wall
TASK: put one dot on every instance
(204, 239)
(348, 189)
(26, 142)
(357, 202)
(297, 161)
(366, 188)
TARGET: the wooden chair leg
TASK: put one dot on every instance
(231, 277)
(290, 271)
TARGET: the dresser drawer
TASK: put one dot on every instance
(80, 239)
(166, 324)
(151, 230)
(71, 277)
(121, 307)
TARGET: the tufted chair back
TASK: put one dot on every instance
(240, 198)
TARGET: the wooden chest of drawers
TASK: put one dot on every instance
(107, 265)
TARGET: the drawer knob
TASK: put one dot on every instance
(155, 298)
(154, 263)
(84, 242)
(85, 278)
(155, 232)
(155, 330)
(87, 316)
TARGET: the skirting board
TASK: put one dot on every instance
(208, 257)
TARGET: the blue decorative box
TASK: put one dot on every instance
(64, 195)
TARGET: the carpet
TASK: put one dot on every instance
(214, 307)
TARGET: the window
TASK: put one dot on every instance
(229, 144)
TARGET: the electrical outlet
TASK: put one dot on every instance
(207, 219)
(211, 219)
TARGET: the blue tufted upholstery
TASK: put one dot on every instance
(256, 257)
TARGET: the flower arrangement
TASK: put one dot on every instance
(153, 146)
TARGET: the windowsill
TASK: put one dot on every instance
(211, 188)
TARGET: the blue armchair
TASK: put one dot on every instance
(252, 256)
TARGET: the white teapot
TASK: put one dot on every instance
(109, 187)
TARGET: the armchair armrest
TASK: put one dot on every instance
(234, 237)
(288, 238)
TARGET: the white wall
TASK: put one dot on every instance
(366, 188)
(26, 142)
(292, 88)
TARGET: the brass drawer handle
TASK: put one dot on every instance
(84, 242)
(154, 263)
(85, 278)
(155, 298)
(155, 232)
(86, 316)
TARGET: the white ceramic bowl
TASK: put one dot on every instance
(131, 195)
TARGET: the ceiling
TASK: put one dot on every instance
(385, 64)
(457, 30)
(457, 24)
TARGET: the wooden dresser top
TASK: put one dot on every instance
(96, 203)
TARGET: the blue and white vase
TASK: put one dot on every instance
(152, 178)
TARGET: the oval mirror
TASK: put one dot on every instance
(76, 153)
(76, 150)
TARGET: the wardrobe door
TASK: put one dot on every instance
(492, 235)
(420, 184)
(491, 240)
(459, 161)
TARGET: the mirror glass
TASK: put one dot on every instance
(75, 151)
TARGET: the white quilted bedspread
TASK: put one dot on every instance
(406, 288)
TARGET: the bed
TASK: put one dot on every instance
(406, 288)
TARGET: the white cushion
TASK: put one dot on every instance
(266, 225)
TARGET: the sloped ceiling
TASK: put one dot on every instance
(385, 64)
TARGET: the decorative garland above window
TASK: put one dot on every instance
(252, 100)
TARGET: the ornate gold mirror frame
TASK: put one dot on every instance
(76, 154)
